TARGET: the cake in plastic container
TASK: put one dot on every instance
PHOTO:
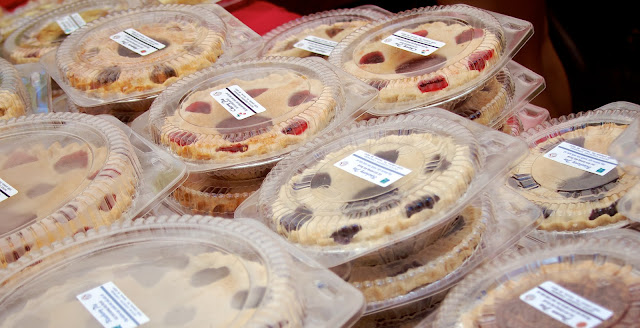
(175, 271)
(578, 282)
(569, 175)
(377, 182)
(14, 19)
(43, 33)
(318, 33)
(430, 56)
(123, 60)
(14, 101)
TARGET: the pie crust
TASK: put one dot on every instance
(12, 92)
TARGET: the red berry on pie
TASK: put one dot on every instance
(77, 160)
(235, 148)
(375, 57)
(297, 127)
(434, 84)
(478, 60)
(422, 33)
(299, 98)
(199, 107)
(182, 138)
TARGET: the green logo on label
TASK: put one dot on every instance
(600, 170)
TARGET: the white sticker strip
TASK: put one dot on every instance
(137, 42)
(581, 158)
(111, 307)
(316, 45)
(565, 306)
(71, 23)
(413, 43)
(372, 168)
(237, 102)
(6, 190)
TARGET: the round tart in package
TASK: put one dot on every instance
(380, 181)
(568, 174)
(61, 174)
(248, 113)
(175, 271)
(14, 101)
(430, 56)
(579, 282)
(43, 33)
(22, 14)
(317, 34)
(121, 60)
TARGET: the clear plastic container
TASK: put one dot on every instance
(525, 118)
(37, 85)
(96, 71)
(43, 33)
(24, 13)
(404, 316)
(395, 54)
(425, 169)
(579, 198)
(288, 101)
(319, 32)
(625, 150)
(13, 94)
(177, 271)
(597, 277)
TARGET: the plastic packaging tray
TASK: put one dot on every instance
(13, 94)
(301, 98)
(37, 85)
(600, 270)
(300, 191)
(330, 25)
(179, 271)
(150, 74)
(417, 80)
(11, 21)
(626, 151)
(404, 316)
(525, 118)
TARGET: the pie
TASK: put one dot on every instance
(484, 104)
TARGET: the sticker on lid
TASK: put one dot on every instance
(565, 306)
(316, 45)
(137, 42)
(71, 23)
(372, 168)
(413, 43)
(581, 158)
(237, 102)
(111, 307)
(6, 190)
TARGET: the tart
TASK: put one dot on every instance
(24, 13)
(13, 94)
(486, 103)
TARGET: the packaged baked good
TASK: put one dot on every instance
(625, 150)
(578, 282)
(24, 13)
(372, 184)
(14, 101)
(99, 71)
(43, 33)
(317, 34)
(404, 316)
(430, 56)
(176, 271)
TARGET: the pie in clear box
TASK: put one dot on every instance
(625, 150)
(176, 271)
(425, 169)
(22, 14)
(14, 100)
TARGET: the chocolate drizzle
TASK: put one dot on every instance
(345, 234)
(293, 221)
(420, 205)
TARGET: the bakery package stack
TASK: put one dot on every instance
(231, 123)
(175, 271)
(578, 282)
(395, 205)
(22, 14)
(317, 34)
(14, 101)
(570, 176)
(119, 63)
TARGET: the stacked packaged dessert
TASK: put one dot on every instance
(119, 63)
(172, 271)
(24, 13)
(569, 175)
(232, 122)
(317, 34)
(431, 56)
(13, 94)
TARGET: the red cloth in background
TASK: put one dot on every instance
(262, 16)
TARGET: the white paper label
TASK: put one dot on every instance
(137, 42)
(111, 307)
(580, 158)
(565, 306)
(372, 168)
(6, 190)
(71, 23)
(413, 43)
(237, 102)
(316, 45)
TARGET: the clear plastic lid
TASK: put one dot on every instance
(568, 174)
(24, 13)
(37, 85)
(176, 271)
(430, 56)
(526, 118)
(380, 181)
(43, 33)
(250, 113)
(13, 94)
(625, 150)
(581, 282)
(405, 316)
(319, 32)
(137, 53)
